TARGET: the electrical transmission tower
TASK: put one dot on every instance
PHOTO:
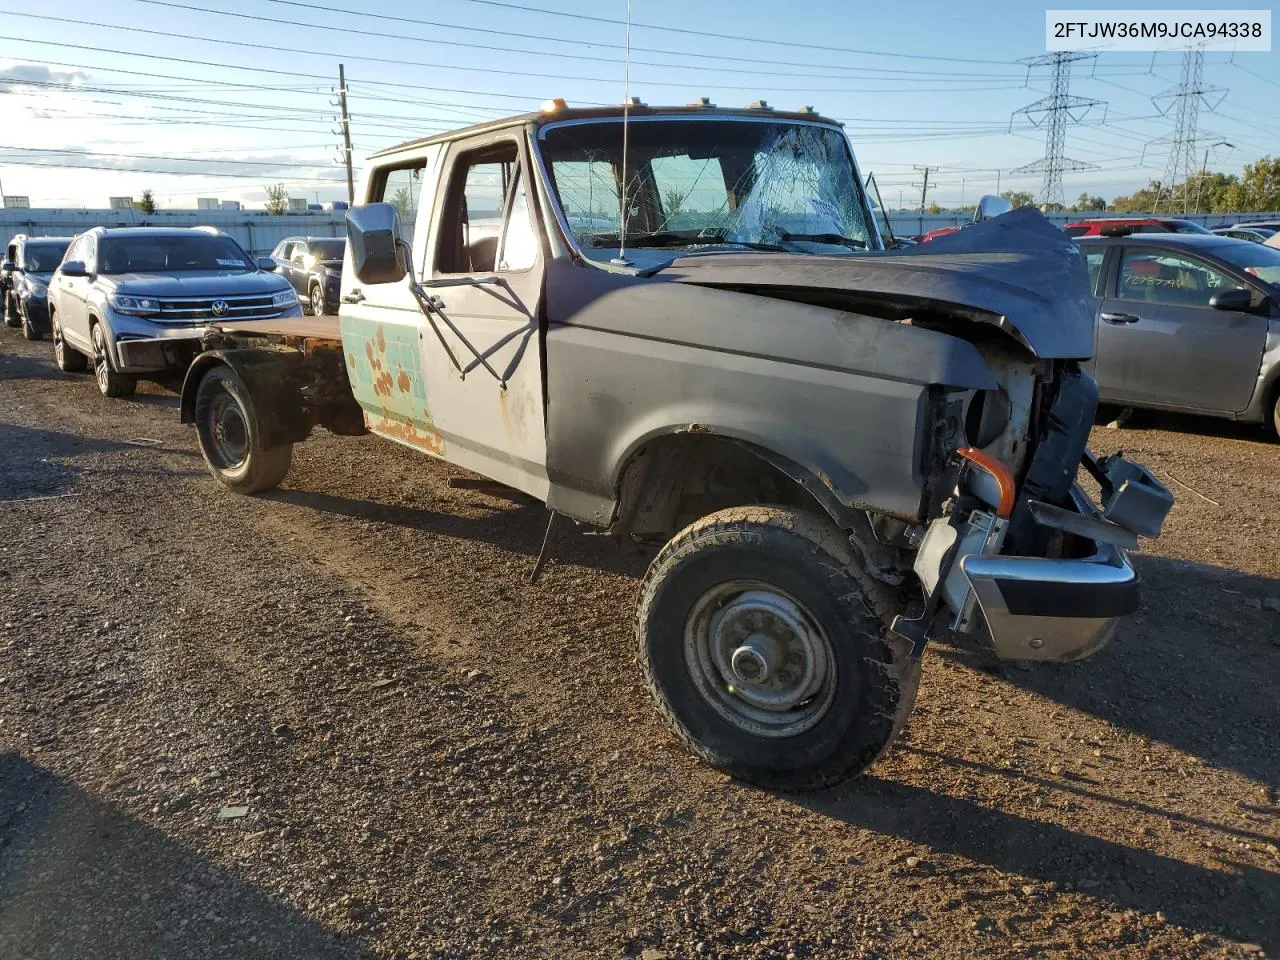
(1054, 112)
(1183, 103)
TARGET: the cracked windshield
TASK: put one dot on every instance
(772, 186)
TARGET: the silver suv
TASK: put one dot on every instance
(136, 300)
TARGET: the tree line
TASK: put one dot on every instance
(1256, 189)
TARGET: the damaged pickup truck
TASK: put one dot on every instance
(682, 325)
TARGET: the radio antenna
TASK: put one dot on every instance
(621, 259)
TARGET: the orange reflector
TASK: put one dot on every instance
(999, 473)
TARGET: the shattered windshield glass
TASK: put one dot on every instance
(698, 183)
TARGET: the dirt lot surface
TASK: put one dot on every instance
(434, 759)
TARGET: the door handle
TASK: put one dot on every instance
(1119, 318)
(355, 296)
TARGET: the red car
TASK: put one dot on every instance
(940, 232)
(1123, 226)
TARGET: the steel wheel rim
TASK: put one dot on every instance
(228, 431)
(100, 359)
(759, 659)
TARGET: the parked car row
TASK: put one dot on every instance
(1185, 318)
(134, 301)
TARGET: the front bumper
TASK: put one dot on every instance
(157, 355)
(1040, 608)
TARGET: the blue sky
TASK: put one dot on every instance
(925, 83)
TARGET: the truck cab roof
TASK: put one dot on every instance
(556, 112)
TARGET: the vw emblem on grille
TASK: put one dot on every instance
(220, 307)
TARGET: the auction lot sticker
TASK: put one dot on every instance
(1243, 30)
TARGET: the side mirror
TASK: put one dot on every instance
(266, 263)
(73, 268)
(1238, 300)
(8, 266)
(373, 236)
(991, 206)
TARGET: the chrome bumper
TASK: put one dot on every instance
(1054, 609)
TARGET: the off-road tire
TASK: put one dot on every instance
(807, 557)
(67, 358)
(111, 383)
(262, 468)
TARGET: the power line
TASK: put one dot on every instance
(61, 151)
(612, 81)
(770, 41)
(364, 14)
(935, 76)
(167, 173)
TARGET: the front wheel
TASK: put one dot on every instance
(29, 332)
(10, 312)
(111, 383)
(766, 653)
(317, 301)
(231, 439)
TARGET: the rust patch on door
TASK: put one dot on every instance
(388, 382)
(420, 436)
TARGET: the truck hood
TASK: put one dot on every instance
(1017, 272)
(197, 284)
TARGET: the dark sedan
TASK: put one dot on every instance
(313, 265)
(1187, 322)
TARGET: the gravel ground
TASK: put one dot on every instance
(335, 721)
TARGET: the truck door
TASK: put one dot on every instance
(383, 330)
(483, 265)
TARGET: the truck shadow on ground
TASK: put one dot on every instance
(79, 879)
(517, 526)
(1196, 667)
(1240, 906)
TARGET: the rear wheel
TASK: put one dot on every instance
(110, 382)
(231, 439)
(68, 358)
(766, 653)
(10, 311)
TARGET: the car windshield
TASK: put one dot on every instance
(328, 249)
(694, 183)
(172, 254)
(1256, 259)
(43, 257)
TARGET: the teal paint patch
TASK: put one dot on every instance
(385, 368)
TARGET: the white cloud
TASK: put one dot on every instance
(21, 76)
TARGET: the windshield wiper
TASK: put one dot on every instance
(668, 239)
(833, 238)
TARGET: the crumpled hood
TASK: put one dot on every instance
(197, 283)
(1017, 272)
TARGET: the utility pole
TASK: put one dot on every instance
(924, 186)
(346, 134)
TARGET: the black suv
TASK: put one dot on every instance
(29, 262)
(314, 266)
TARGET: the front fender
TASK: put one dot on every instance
(272, 378)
